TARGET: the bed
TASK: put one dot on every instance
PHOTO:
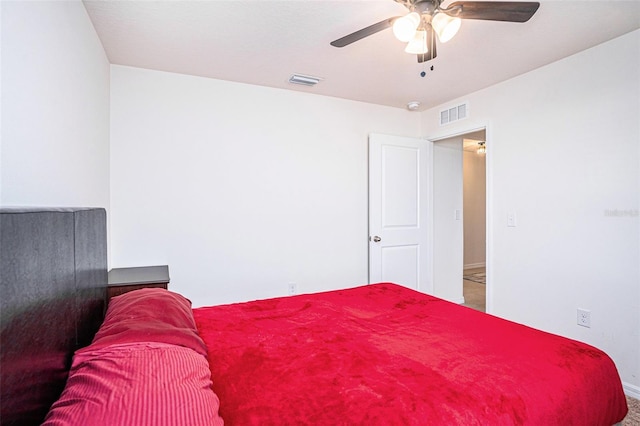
(371, 354)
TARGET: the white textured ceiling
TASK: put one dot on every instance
(263, 42)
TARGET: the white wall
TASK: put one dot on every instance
(55, 107)
(241, 189)
(474, 193)
(564, 145)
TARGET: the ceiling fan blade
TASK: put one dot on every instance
(365, 32)
(431, 45)
(506, 11)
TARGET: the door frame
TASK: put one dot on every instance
(488, 205)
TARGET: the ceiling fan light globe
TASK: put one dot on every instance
(404, 28)
(418, 44)
(482, 148)
(445, 26)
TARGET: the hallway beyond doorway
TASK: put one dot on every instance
(474, 293)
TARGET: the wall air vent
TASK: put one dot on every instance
(304, 80)
(454, 113)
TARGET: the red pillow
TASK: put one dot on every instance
(141, 384)
(149, 315)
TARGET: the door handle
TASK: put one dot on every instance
(376, 239)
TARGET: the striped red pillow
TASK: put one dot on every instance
(140, 384)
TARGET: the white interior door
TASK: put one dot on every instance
(398, 228)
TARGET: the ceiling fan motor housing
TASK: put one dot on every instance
(421, 6)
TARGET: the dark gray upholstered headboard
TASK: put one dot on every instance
(53, 277)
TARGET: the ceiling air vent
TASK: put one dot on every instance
(304, 80)
(455, 113)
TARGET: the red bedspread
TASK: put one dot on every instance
(387, 355)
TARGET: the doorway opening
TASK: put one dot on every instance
(459, 207)
(474, 220)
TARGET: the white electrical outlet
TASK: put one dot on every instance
(584, 318)
(293, 289)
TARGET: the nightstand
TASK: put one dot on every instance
(122, 280)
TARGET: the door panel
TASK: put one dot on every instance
(400, 177)
(397, 208)
(402, 262)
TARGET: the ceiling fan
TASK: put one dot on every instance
(427, 17)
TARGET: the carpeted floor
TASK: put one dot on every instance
(474, 295)
(633, 417)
